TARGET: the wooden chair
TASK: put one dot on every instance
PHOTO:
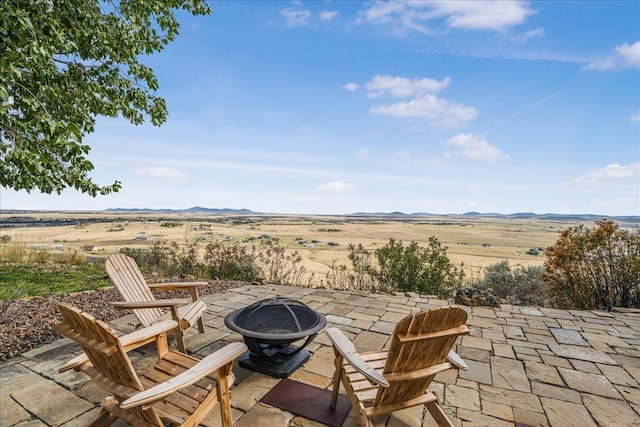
(138, 296)
(178, 389)
(385, 381)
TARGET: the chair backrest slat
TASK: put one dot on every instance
(407, 352)
(112, 368)
(128, 279)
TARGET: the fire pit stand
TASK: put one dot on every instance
(269, 328)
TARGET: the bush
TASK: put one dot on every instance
(363, 276)
(231, 261)
(154, 259)
(426, 270)
(594, 268)
(278, 266)
(522, 285)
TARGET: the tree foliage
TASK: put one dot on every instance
(62, 64)
(427, 270)
(594, 268)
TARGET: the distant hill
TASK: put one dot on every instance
(523, 215)
(193, 210)
(395, 214)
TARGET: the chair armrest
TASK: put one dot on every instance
(203, 368)
(172, 286)
(159, 303)
(129, 342)
(348, 351)
(456, 360)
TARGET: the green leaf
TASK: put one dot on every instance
(4, 95)
(57, 96)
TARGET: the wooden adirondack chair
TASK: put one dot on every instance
(179, 389)
(385, 381)
(138, 296)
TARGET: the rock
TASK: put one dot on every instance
(476, 297)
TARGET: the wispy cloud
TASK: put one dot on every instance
(337, 187)
(476, 147)
(623, 56)
(635, 118)
(328, 15)
(402, 87)
(521, 38)
(296, 18)
(363, 153)
(159, 172)
(411, 16)
(438, 112)
(612, 172)
(326, 193)
(351, 87)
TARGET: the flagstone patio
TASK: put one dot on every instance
(527, 365)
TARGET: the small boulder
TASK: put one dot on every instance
(475, 297)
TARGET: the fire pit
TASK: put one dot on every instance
(270, 327)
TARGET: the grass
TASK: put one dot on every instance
(19, 280)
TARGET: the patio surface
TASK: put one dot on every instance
(527, 366)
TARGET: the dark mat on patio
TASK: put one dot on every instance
(308, 401)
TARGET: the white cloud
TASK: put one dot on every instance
(328, 15)
(623, 56)
(351, 87)
(416, 16)
(476, 147)
(610, 172)
(164, 173)
(483, 15)
(402, 87)
(337, 187)
(296, 18)
(635, 118)
(382, 12)
(538, 32)
(438, 112)
(629, 54)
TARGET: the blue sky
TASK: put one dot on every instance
(335, 107)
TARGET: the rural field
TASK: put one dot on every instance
(321, 241)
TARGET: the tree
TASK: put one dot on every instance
(62, 64)
(427, 270)
(594, 268)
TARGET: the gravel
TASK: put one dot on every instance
(28, 323)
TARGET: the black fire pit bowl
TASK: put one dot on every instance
(269, 328)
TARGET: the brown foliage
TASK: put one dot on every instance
(594, 268)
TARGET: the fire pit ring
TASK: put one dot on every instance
(269, 328)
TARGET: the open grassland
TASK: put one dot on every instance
(322, 241)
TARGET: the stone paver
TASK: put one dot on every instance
(527, 366)
(566, 414)
(567, 336)
(589, 383)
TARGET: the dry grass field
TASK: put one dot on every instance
(475, 242)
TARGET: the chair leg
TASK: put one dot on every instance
(105, 419)
(180, 340)
(438, 414)
(201, 325)
(336, 379)
(224, 399)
